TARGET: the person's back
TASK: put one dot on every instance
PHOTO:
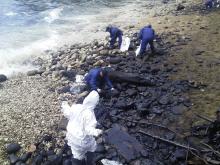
(147, 33)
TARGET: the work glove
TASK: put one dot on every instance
(99, 90)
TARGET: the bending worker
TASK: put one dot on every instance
(146, 36)
(114, 34)
(97, 78)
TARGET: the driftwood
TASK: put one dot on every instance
(170, 142)
(203, 117)
(130, 78)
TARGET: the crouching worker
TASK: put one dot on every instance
(97, 78)
(81, 127)
(114, 34)
(146, 36)
(208, 4)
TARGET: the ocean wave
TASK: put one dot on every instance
(13, 61)
(53, 15)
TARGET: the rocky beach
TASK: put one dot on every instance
(149, 117)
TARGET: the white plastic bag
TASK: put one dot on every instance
(137, 52)
(125, 44)
(81, 127)
(109, 162)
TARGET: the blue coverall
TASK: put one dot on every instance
(95, 81)
(208, 3)
(114, 34)
(146, 36)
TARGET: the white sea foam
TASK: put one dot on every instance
(53, 15)
(14, 60)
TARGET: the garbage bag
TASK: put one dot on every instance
(78, 85)
(137, 52)
(109, 162)
(81, 127)
(125, 44)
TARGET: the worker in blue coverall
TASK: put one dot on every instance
(208, 3)
(146, 36)
(114, 34)
(97, 78)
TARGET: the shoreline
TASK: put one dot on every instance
(53, 79)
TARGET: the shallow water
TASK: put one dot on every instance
(29, 27)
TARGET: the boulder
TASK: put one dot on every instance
(126, 145)
(2, 78)
(12, 148)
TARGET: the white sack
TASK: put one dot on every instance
(125, 44)
(109, 162)
(81, 127)
(137, 52)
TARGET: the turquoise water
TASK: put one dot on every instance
(29, 27)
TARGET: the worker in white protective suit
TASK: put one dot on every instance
(81, 128)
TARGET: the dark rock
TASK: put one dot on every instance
(122, 104)
(164, 100)
(67, 162)
(100, 148)
(126, 145)
(2, 78)
(180, 154)
(115, 60)
(25, 156)
(37, 160)
(47, 163)
(180, 7)
(47, 138)
(13, 158)
(169, 136)
(179, 109)
(32, 72)
(115, 93)
(20, 163)
(157, 110)
(142, 89)
(12, 148)
(131, 92)
(70, 74)
(63, 123)
(64, 89)
(143, 108)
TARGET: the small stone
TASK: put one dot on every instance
(32, 148)
(32, 72)
(12, 148)
(13, 158)
(2, 78)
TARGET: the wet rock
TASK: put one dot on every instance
(67, 162)
(123, 104)
(180, 154)
(115, 60)
(12, 148)
(164, 100)
(126, 145)
(131, 92)
(13, 158)
(104, 52)
(100, 148)
(70, 74)
(37, 160)
(179, 109)
(25, 156)
(64, 89)
(2, 78)
(157, 110)
(63, 123)
(115, 93)
(32, 72)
